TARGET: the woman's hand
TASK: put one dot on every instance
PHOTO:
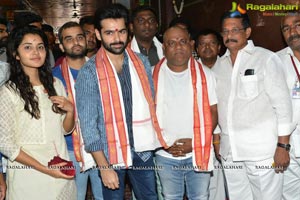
(54, 171)
(63, 103)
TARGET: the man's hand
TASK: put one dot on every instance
(181, 147)
(281, 159)
(109, 178)
(217, 150)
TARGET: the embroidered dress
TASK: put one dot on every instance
(40, 138)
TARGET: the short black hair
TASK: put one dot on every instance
(87, 20)
(25, 18)
(3, 21)
(113, 11)
(237, 15)
(66, 25)
(47, 28)
(205, 32)
(139, 9)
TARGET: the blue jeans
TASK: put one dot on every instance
(81, 180)
(175, 175)
(142, 181)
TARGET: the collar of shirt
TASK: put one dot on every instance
(249, 48)
(289, 51)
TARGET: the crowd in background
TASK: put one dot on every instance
(113, 104)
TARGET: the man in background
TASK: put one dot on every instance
(73, 43)
(53, 47)
(144, 26)
(290, 56)
(87, 24)
(208, 45)
(3, 39)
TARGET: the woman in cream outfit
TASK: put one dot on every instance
(34, 116)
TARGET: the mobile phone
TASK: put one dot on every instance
(249, 72)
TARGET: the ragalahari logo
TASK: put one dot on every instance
(237, 8)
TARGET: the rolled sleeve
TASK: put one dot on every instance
(217, 130)
(89, 108)
(278, 92)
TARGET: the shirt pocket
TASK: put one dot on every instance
(248, 87)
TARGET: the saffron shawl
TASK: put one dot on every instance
(86, 160)
(146, 131)
(201, 141)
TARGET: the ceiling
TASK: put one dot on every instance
(54, 12)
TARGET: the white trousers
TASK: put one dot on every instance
(255, 180)
(217, 185)
(291, 179)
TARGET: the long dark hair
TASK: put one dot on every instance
(19, 81)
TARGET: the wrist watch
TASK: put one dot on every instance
(287, 147)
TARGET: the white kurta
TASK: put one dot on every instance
(291, 183)
(253, 109)
(42, 139)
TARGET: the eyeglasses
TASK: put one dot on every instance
(173, 43)
(233, 31)
(287, 28)
(141, 20)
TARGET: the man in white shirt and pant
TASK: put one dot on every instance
(290, 56)
(255, 114)
(208, 45)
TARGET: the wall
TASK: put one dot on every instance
(265, 29)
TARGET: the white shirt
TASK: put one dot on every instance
(292, 79)
(177, 110)
(254, 109)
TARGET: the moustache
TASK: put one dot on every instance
(230, 40)
(293, 37)
(75, 46)
(116, 43)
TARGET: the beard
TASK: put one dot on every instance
(295, 45)
(111, 49)
(74, 55)
(3, 42)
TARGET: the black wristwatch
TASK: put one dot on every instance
(287, 147)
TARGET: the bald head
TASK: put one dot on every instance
(175, 28)
(177, 48)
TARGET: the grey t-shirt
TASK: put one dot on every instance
(4, 72)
